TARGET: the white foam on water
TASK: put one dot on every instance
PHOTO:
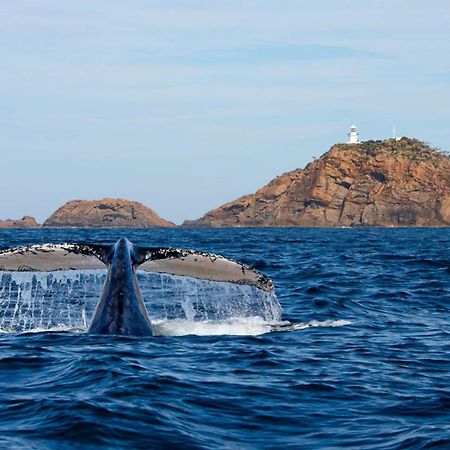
(314, 324)
(331, 323)
(60, 329)
(236, 326)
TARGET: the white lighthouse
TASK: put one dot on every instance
(353, 136)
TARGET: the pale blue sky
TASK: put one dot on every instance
(184, 105)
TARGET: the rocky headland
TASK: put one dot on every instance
(375, 183)
(25, 222)
(108, 212)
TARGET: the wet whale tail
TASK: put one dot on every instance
(121, 309)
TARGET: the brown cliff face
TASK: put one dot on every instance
(376, 183)
(105, 213)
(25, 222)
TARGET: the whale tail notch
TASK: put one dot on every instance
(174, 261)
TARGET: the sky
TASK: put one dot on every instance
(184, 105)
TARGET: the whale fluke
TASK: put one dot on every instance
(174, 261)
(121, 309)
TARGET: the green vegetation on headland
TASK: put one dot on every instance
(408, 147)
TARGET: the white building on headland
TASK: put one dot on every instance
(353, 136)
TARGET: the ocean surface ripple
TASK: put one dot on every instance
(360, 358)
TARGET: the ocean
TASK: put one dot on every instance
(353, 352)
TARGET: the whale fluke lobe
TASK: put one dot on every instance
(205, 266)
(121, 309)
(53, 257)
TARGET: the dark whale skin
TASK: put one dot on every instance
(121, 309)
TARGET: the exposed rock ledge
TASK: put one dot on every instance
(108, 212)
(376, 183)
(25, 222)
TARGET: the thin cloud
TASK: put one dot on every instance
(276, 53)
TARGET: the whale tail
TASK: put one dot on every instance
(174, 261)
(121, 308)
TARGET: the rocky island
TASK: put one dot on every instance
(374, 183)
(108, 212)
(25, 222)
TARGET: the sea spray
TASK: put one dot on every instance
(67, 300)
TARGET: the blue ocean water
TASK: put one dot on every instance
(360, 359)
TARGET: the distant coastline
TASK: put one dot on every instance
(25, 222)
(391, 183)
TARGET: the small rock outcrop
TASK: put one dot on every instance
(108, 212)
(25, 222)
(375, 183)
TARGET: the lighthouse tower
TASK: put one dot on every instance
(353, 136)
